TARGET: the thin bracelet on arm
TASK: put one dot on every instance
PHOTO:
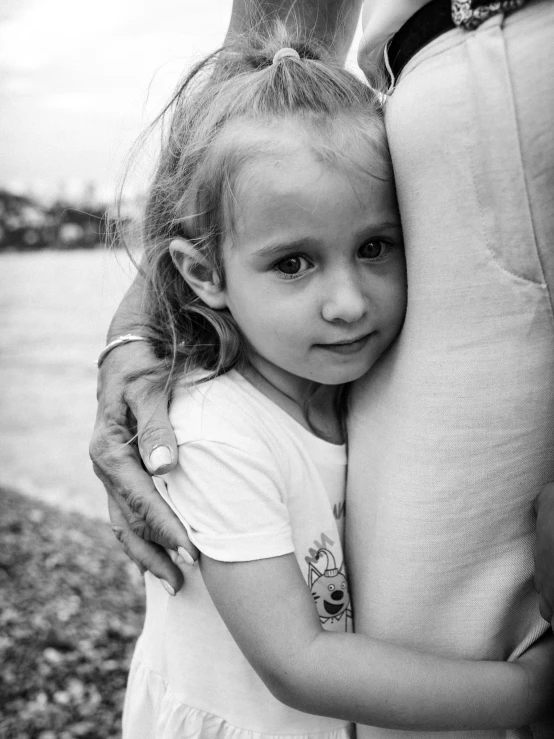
(117, 342)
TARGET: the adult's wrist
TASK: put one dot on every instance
(118, 341)
(129, 317)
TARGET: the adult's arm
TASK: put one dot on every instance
(332, 22)
(140, 519)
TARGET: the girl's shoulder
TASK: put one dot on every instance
(224, 409)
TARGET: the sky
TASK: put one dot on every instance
(79, 82)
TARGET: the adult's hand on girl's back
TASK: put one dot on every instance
(142, 521)
(544, 552)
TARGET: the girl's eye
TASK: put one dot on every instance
(373, 250)
(292, 266)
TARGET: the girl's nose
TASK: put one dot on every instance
(344, 301)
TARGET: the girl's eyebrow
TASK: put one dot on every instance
(278, 247)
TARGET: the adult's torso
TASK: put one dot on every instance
(451, 436)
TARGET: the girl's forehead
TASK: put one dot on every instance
(296, 193)
(340, 143)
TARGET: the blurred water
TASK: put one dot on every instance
(55, 307)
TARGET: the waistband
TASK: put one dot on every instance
(437, 17)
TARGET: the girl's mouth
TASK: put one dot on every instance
(347, 347)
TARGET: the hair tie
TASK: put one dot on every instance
(282, 53)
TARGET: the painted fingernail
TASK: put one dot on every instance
(167, 586)
(160, 457)
(186, 557)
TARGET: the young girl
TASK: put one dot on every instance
(275, 272)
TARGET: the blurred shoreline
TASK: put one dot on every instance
(27, 224)
(55, 307)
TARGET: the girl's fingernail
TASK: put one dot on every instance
(167, 586)
(186, 557)
(160, 457)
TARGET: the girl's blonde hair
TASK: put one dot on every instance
(191, 195)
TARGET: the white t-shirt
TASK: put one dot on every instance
(251, 483)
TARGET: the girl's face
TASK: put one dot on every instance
(314, 272)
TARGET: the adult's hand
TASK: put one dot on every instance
(142, 521)
(544, 552)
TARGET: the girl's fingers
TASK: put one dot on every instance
(544, 551)
(545, 609)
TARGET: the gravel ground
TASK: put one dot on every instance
(71, 608)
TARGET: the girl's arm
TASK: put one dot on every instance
(268, 609)
(544, 552)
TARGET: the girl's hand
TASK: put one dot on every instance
(141, 520)
(538, 662)
(544, 552)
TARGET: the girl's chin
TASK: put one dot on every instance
(341, 373)
(340, 378)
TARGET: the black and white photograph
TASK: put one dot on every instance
(277, 369)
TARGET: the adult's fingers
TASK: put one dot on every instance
(117, 464)
(148, 516)
(116, 461)
(156, 440)
(147, 534)
(146, 555)
(144, 520)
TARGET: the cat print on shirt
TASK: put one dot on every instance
(329, 588)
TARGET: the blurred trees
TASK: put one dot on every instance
(26, 224)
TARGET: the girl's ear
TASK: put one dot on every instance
(204, 281)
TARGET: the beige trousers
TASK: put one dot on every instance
(452, 434)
